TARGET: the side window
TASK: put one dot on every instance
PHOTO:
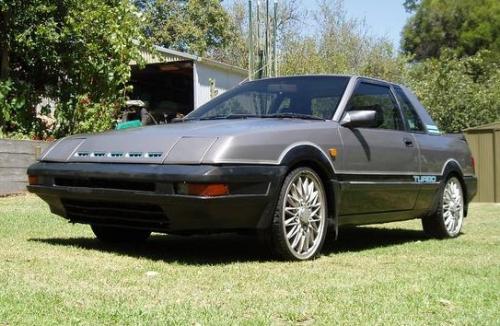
(410, 114)
(379, 98)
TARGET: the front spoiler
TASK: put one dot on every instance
(159, 208)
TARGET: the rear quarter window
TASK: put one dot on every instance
(410, 115)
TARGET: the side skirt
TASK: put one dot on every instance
(378, 218)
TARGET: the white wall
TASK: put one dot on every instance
(224, 80)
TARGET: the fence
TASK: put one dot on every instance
(484, 142)
(15, 157)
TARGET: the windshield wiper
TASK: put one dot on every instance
(230, 116)
(292, 116)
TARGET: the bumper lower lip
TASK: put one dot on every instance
(249, 209)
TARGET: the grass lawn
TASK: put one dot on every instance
(52, 272)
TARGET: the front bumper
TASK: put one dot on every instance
(144, 195)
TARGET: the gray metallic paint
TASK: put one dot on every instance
(361, 151)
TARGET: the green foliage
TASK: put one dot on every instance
(196, 26)
(236, 51)
(66, 51)
(458, 92)
(15, 118)
(466, 26)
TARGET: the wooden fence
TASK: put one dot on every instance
(15, 157)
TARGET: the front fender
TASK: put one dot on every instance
(315, 158)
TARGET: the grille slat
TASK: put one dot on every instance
(108, 212)
(115, 155)
(105, 183)
(96, 210)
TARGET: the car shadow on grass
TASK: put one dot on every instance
(354, 239)
(230, 248)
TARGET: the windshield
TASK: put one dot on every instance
(310, 97)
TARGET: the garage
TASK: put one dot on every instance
(172, 83)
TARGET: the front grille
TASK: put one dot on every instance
(86, 154)
(105, 183)
(138, 215)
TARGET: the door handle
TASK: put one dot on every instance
(408, 142)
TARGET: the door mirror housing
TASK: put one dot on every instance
(361, 119)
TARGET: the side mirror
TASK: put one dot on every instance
(361, 119)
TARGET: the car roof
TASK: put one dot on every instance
(330, 75)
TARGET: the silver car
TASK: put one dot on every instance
(290, 159)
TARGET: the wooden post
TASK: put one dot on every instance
(250, 42)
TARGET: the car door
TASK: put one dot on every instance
(378, 163)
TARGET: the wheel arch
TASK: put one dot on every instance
(312, 157)
(453, 168)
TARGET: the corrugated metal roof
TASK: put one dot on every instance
(489, 126)
(165, 55)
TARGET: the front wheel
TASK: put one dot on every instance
(300, 219)
(110, 234)
(448, 219)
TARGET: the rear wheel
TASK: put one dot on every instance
(110, 234)
(299, 225)
(448, 219)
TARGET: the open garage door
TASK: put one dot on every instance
(166, 89)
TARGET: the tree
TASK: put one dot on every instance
(236, 50)
(466, 26)
(74, 52)
(195, 26)
(458, 92)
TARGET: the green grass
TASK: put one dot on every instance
(52, 272)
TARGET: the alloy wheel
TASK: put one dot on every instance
(304, 215)
(453, 206)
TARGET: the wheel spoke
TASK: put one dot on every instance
(299, 188)
(292, 210)
(313, 198)
(305, 186)
(300, 249)
(292, 220)
(307, 236)
(315, 212)
(297, 238)
(293, 231)
(313, 227)
(310, 192)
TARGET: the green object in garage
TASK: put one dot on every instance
(129, 124)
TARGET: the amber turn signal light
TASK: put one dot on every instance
(203, 189)
(32, 180)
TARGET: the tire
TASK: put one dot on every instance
(447, 221)
(110, 234)
(299, 224)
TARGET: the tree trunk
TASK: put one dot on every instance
(4, 45)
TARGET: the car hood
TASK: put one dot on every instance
(192, 142)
